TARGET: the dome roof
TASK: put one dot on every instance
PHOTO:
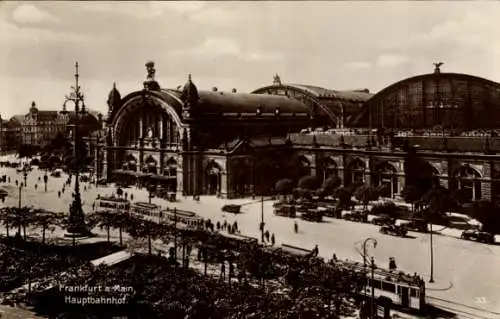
(114, 96)
(190, 92)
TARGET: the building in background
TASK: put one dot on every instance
(39, 127)
(432, 127)
(208, 142)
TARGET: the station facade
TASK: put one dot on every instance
(441, 125)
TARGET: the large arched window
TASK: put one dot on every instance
(386, 177)
(304, 166)
(130, 163)
(170, 167)
(468, 181)
(150, 165)
(213, 173)
(329, 168)
(356, 172)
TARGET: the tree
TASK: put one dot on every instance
(20, 218)
(411, 194)
(151, 190)
(344, 195)
(438, 200)
(6, 214)
(284, 186)
(45, 220)
(309, 183)
(105, 220)
(365, 194)
(488, 214)
(331, 183)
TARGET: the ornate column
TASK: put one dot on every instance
(486, 182)
(141, 126)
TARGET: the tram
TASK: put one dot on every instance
(143, 209)
(184, 218)
(111, 203)
(398, 288)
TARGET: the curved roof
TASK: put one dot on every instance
(114, 96)
(383, 93)
(319, 92)
(425, 76)
(228, 102)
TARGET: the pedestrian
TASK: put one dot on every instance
(218, 225)
(39, 178)
(315, 251)
(334, 257)
(224, 226)
(392, 264)
(273, 240)
(223, 270)
(296, 227)
(17, 183)
(93, 206)
(235, 224)
(131, 196)
(36, 186)
(266, 234)
(126, 195)
(9, 179)
(59, 194)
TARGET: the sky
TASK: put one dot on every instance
(336, 45)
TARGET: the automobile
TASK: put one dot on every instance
(306, 206)
(418, 225)
(393, 230)
(383, 220)
(480, 236)
(357, 216)
(313, 215)
(462, 221)
(285, 210)
(231, 208)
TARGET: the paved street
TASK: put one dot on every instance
(466, 272)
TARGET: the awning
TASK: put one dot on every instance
(124, 172)
(164, 178)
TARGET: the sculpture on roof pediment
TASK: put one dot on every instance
(150, 68)
(276, 79)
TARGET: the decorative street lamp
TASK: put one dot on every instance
(76, 223)
(20, 193)
(374, 242)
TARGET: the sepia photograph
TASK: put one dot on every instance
(250, 159)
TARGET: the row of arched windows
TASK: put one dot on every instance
(465, 178)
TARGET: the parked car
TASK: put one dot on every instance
(393, 230)
(461, 221)
(383, 220)
(418, 225)
(235, 209)
(285, 210)
(306, 206)
(480, 236)
(312, 215)
(357, 216)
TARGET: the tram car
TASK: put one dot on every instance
(112, 204)
(184, 219)
(146, 210)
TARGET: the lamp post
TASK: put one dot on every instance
(76, 227)
(20, 193)
(372, 264)
(372, 303)
(431, 280)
